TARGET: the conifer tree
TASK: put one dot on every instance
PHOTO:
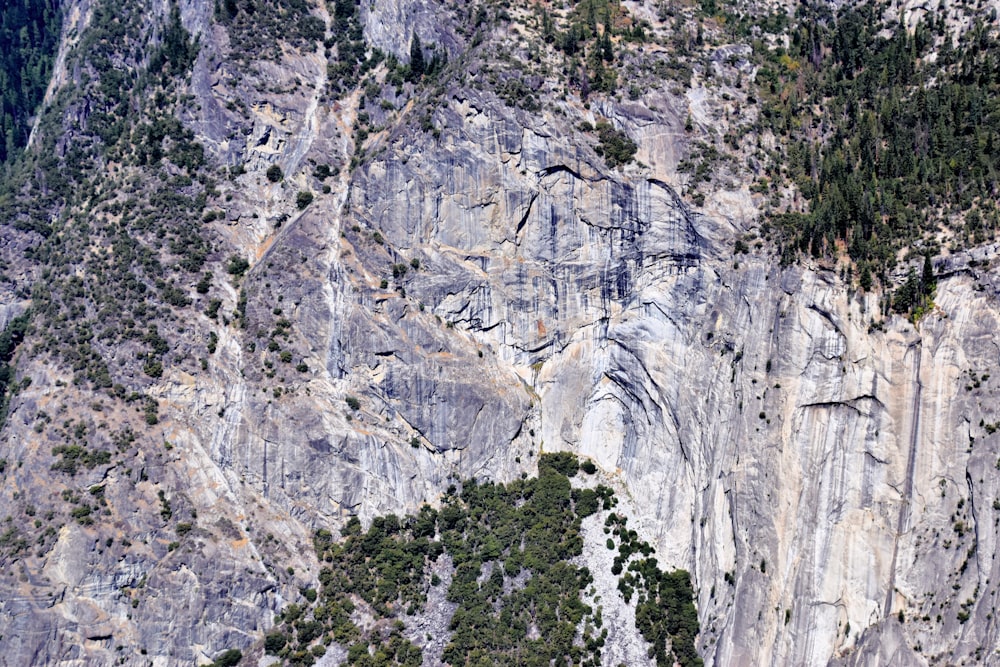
(417, 65)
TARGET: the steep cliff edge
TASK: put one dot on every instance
(445, 277)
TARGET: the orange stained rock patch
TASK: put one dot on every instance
(263, 247)
(240, 543)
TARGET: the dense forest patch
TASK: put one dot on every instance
(889, 134)
(508, 555)
(29, 36)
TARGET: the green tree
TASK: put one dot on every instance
(417, 64)
(927, 281)
(866, 277)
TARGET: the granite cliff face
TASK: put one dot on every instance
(487, 288)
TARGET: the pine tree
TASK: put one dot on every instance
(866, 277)
(927, 282)
(417, 65)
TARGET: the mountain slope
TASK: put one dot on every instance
(281, 271)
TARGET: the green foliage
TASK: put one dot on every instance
(257, 27)
(564, 463)
(165, 137)
(352, 59)
(173, 294)
(151, 412)
(417, 65)
(237, 265)
(146, 211)
(274, 173)
(177, 53)
(906, 142)
(11, 541)
(915, 295)
(303, 199)
(616, 146)
(584, 35)
(72, 457)
(665, 600)
(10, 338)
(29, 32)
(165, 510)
(241, 309)
(229, 658)
(274, 642)
(516, 93)
(82, 514)
(586, 502)
(153, 368)
(393, 650)
(511, 550)
(667, 605)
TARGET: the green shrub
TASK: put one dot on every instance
(274, 173)
(616, 146)
(213, 308)
(274, 642)
(237, 265)
(564, 463)
(229, 658)
(82, 514)
(204, 284)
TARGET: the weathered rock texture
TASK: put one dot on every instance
(832, 486)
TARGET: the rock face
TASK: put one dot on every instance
(829, 477)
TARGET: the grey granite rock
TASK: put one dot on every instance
(820, 478)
